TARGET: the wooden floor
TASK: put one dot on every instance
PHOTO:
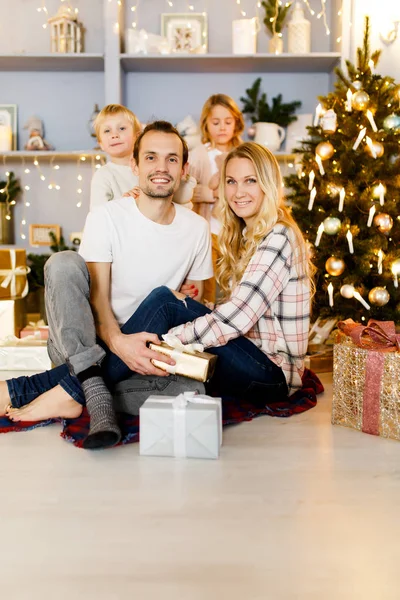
(294, 509)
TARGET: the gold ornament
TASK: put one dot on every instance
(335, 266)
(325, 150)
(379, 296)
(347, 291)
(332, 225)
(360, 100)
(383, 222)
(378, 147)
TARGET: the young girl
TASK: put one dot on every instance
(260, 330)
(221, 125)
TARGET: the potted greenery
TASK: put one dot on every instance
(276, 14)
(269, 120)
(9, 191)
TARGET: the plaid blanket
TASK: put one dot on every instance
(234, 412)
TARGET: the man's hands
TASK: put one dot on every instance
(133, 350)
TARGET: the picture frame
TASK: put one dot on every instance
(8, 118)
(39, 234)
(187, 33)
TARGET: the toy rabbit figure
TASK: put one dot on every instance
(36, 140)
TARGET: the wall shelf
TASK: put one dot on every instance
(52, 62)
(322, 62)
(62, 155)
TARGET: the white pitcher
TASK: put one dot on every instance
(270, 135)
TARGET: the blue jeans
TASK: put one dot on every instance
(242, 370)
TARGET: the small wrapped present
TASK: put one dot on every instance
(38, 330)
(29, 354)
(187, 426)
(190, 359)
(366, 378)
(320, 362)
(13, 274)
(12, 317)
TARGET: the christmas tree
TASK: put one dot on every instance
(346, 196)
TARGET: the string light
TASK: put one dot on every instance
(312, 12)
(322, 14)
(135, 11)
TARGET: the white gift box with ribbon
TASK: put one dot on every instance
(27, 354)
(185, 426)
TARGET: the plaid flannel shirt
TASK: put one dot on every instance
(270, 306)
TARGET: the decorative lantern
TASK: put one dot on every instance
(66, 31)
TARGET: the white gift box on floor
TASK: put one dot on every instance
(186, 426)
(27, 354)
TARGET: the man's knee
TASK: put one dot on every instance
(161, 294)
(63, 265)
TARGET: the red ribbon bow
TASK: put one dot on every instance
(377, 335)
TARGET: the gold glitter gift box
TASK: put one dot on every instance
(366, 379)
(197, 365)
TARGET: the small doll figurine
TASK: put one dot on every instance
(36, 140)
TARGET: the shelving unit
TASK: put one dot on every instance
(52, 62)
(322, 62)
(25, 154)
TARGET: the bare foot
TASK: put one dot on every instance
(4, 398)
(55, 403)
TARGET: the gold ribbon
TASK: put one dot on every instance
(11, 275)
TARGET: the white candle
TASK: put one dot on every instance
(381, 192)
(349, 237)
(371, 119)
(319, 234)
(318, 160)
(318, 112)
(358, 297)
(5, 138)
(311, 178)
(396, 281)
(360, 138)
(349, 96)
(330, 292)
(313, 193)
(380, 261)
(341, 200)
(370, 145)
(371, 65)
(371, 215)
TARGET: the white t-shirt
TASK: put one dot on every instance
(112, 181)
(144, 254)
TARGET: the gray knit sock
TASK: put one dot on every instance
(104, 431)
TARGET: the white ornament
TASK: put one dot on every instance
(329, 121)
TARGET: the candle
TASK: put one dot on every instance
(311, 178)
(360, 138)
(370, 118)
(341, 200)
(371, 215)
(313, 193)
(330, 292)
(349, 96)
(349, 237)
(358, 297)
(318, 113)
(381, 193)
(371, 65)
(5, 138)
(318, 160)
(370, 145)
(380, 261)
(319, 234)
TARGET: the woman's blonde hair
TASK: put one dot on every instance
(238, 248)
(228, 103)
(116, 109)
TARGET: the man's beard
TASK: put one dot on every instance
(165, 192)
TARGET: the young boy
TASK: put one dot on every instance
(116, 129)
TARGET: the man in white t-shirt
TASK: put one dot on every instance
(129, 247)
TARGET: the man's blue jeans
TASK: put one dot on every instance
(242, 371)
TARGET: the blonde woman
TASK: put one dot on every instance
(221, 125)
(260, 330)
